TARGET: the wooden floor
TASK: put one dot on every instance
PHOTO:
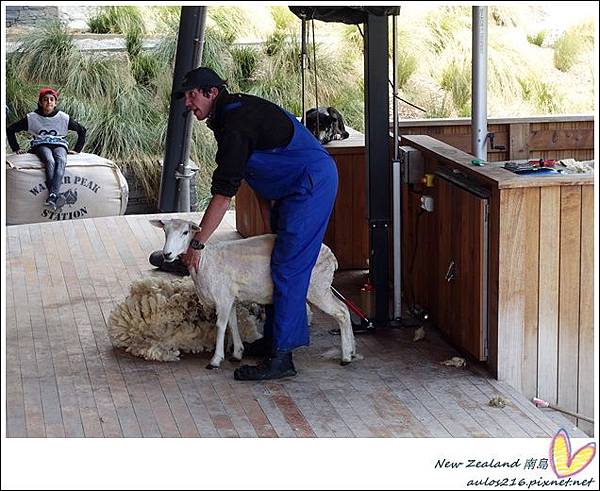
(65, 379)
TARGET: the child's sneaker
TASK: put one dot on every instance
(51, 201)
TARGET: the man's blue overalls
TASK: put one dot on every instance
(302, 180)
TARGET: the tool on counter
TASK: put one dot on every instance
(533, 167)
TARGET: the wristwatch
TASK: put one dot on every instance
(196, 244)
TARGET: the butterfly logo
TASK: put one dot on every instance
(564, 463)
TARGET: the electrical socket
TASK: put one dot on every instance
(427, 203)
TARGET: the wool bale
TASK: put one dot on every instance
(92, 187)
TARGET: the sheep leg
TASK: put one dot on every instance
(331, 305)
(223, 313)
(238, 347)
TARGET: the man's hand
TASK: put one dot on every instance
(20, 151)
(191, 258)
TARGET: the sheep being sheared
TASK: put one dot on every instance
(161, 318)
(235, 271)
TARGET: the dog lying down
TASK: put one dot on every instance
(331, 124)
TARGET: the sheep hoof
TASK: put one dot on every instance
(211, 367)
(344, 363)
(233, 359)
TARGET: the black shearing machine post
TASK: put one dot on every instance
(377, 139)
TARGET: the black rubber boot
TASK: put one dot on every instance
(275, 366)
(177, 267)
(262, 347)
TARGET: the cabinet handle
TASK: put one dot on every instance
(451, 271)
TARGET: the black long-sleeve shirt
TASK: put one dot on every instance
(250, 124)
(22, 125)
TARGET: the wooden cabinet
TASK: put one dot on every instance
(461, 276)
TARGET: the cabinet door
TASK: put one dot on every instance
(462, 270)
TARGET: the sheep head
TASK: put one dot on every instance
(178, 235)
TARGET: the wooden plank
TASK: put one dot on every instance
(560, 139)
(77, 278)
(548, 306)
(273, 413)
(344, 230)
(338, 401)
(585, 393)
(290, 411)
(176, 402)
(150, 378)
(62, 279)
(503, 415)
(532, 250)
(511, 286)
(468, 221)
(445, 258)
(43, 352)
(404, 394)
(232, 406)
(65, 383)
(493, 281)
(196, 406)
(255, 414)
(34, 415)
(302, 396)
(519, 141)
(15, 405)
(473, 401)
(208, 394)
(94, 279)
(446, 395)
(569, 284)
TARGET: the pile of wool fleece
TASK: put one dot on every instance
(161, 318)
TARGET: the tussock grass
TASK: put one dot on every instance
(117, 20)
(571, 44)
(537, 38)
(124, 100)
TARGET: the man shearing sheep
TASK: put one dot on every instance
(295, 180)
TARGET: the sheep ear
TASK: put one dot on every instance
(157, 223)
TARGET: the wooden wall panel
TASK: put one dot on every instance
(586, 381)
(519, 141)
(444, 212)
(568, 321)
(469, 297)
(548, 307)
(532, 251)
(511, 286)
(554, 139)
(345, 217)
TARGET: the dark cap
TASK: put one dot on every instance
(199, 78)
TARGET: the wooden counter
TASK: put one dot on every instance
(537, 285)
(347, 234)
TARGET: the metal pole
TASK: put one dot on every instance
(303, 56)
(479, 84)
(396, 182)
(177, 145)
